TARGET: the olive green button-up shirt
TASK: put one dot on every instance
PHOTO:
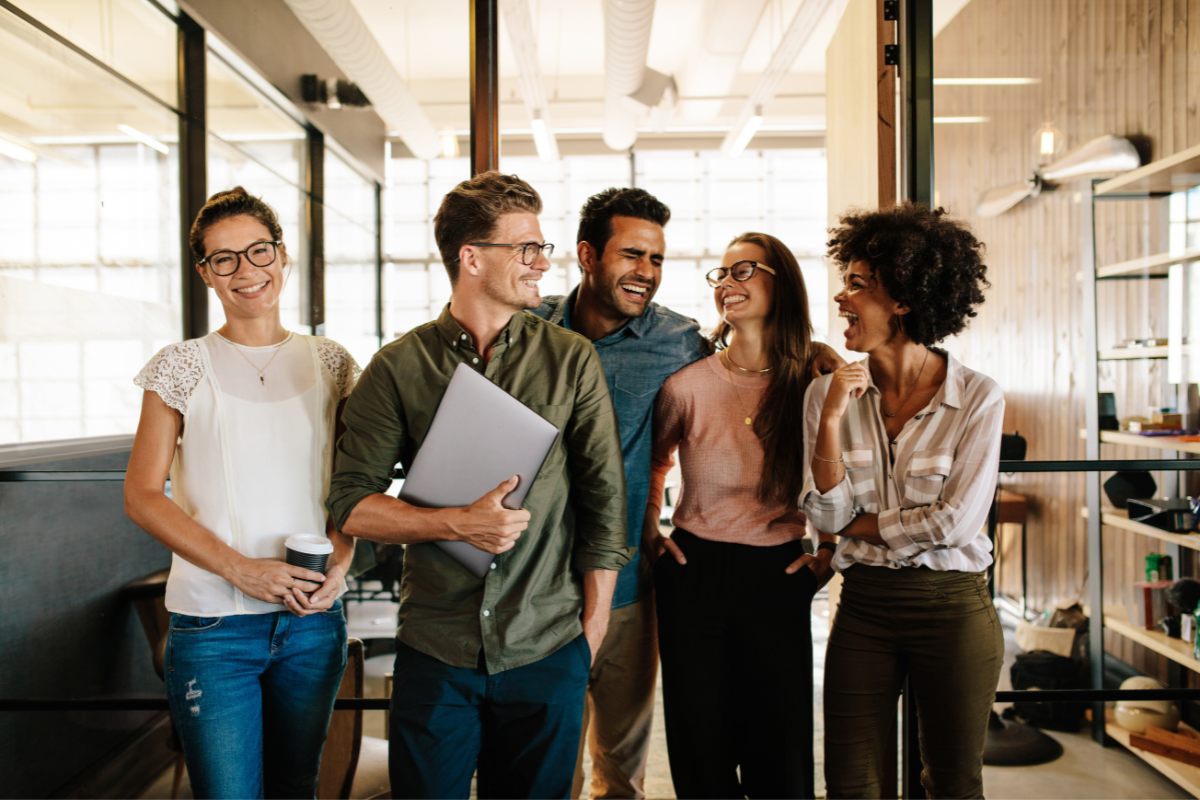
(531, 601)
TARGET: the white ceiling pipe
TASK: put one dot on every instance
(522, 37)
(797, 35)
(339, 29)
(712, 67)
(627, 25)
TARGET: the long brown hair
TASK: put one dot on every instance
(780, 422)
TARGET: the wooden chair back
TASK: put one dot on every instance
(339, 760)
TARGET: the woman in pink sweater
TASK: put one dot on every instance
(733, 586)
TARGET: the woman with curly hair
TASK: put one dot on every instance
(903, 452)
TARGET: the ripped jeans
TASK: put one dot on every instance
(251, 696)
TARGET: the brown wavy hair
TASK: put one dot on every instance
(236, 202)
(471, 210)
(780, 422)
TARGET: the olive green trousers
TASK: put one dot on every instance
(940, 631)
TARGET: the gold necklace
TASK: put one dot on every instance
(749, 420)
(260, 372)
(910, 392)
(732, 363)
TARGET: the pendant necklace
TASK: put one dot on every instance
(749, 419)
(261, 379)
(910, 391)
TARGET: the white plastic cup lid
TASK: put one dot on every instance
(309, 543)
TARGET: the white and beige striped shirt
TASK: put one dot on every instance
(931, 488)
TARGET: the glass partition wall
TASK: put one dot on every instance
(89, 223)
(1065, 134)
(712, 199)
(90, 209)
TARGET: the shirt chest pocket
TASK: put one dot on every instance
(927, 473)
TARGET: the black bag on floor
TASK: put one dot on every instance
(1045, 670)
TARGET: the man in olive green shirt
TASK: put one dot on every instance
(491, 673)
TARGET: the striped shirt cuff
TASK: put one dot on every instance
(833, 510)
(897, 539)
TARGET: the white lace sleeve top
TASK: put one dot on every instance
(253, 462)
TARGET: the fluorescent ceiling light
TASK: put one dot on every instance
(260, 137)
(449, 145)
(541, 138)
(149, 141)
(11, 150)
(747, 133)
(958, 120)
(985, 81)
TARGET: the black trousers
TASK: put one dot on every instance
(735, 636)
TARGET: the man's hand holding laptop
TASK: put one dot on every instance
(487, 524)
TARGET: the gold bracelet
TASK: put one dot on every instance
(826, 460)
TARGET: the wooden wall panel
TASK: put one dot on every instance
(1126, 67)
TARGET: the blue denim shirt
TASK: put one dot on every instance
(637, 358)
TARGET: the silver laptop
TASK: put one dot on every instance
(480, 437)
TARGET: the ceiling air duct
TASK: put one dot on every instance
(627, 25)
(339, 29)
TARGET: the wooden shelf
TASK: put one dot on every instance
(1172, 174)
(1132, 353)
(1116, 618)
(1119, 518)
(1149, 262)
(1155, 442)
(1187, 776)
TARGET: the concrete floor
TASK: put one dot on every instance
(1085, 770)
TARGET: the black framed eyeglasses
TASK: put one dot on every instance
(741, 271)
(226, 262)
(529, 251)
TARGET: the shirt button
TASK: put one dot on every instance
(493, 566)
(463, 337)
(474, 360)
(487, 613)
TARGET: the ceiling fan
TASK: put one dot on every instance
(1106, 155)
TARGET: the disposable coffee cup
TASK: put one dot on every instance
(308, 551)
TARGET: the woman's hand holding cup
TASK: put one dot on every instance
(273, 579)
(302, 604)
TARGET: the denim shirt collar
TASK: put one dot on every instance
(561, 315)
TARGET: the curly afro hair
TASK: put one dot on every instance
(925, 260)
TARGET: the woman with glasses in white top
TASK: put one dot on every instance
(242, 422)
(903, 453)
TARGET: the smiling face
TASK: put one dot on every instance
(868, 309)
(503, 278)
(251, 291)
(740, 302)
(628, 273)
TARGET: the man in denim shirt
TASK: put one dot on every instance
(641, 344)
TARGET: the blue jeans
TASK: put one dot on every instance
(251, 696)
(520, 728)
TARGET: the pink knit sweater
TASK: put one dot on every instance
(721, 459)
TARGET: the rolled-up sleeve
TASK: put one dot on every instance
(958, 516)
(369, 449)
(597, 473)
(830, 511)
